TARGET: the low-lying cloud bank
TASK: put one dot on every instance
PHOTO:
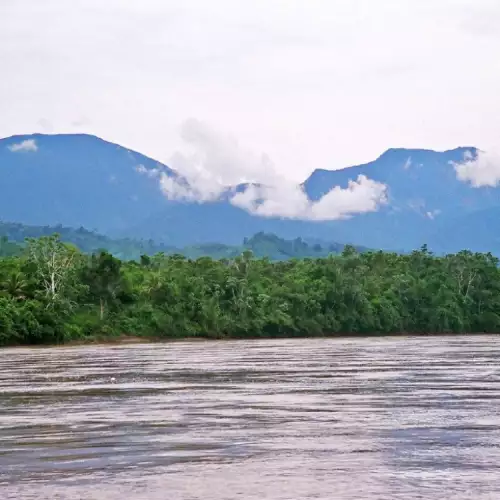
(215, 164)
(290, 201)
(480, 170)
(29, 145)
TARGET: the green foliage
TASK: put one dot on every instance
(103, 279)
(52, 293)
(9, 248)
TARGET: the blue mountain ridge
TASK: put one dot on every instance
(81, 180)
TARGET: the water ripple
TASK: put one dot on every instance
(325, 419)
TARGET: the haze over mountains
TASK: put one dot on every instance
(406, 198)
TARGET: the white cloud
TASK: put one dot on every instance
(216, 163)
(285, 200)
(361, 196)
(432, 214)
(29, 145)
(150, 172)
(481, 170)
(290, 201)
(179, 190)
(211, 163)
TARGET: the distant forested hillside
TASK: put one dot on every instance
(87, 241)
(13, 236)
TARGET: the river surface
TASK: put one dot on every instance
(405, 418)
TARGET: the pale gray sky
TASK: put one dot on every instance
(309, 83)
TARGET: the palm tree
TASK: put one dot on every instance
(15, 285)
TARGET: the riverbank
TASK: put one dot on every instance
(129, 340)
(93, 299)
(124, 340)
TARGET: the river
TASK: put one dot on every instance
(388, 418)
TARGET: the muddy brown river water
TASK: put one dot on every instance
(394, 418)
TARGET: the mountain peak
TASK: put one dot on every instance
(76, 180)
(40, 135)
(395, 154)
(70, 141)
(398, 157)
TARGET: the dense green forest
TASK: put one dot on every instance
(261, 244)
(52, 292)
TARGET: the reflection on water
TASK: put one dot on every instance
(275, 420)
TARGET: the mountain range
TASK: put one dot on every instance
(79, 180)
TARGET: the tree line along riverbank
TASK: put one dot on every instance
(53, 293)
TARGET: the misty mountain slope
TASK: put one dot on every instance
(417, 181)
(423, 194)
(184, 223)
(76, 180)
(81, 180)
(422, 188)
(477, 231)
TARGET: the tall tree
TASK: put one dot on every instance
(103, 277)
(53, 263)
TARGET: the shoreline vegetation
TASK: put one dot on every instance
(53, 294)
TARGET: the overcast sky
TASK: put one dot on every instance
(309, 83)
